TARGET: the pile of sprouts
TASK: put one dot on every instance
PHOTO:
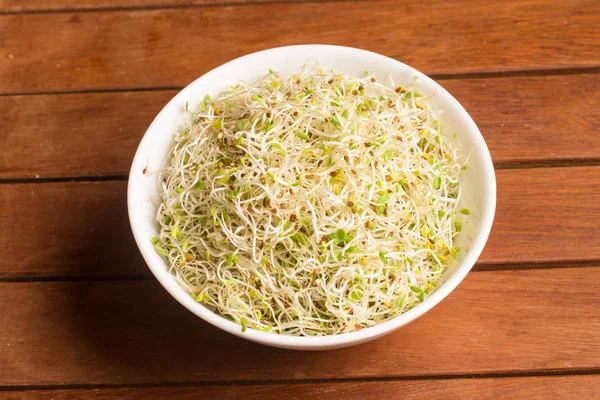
(310, 204)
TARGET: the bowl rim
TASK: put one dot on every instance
(343, 339)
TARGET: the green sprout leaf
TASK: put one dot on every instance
(232, 259)
(400, 300)
(382, 257)
(241, 124)
(160, 250)
(199, 186)
(218, 124)
(175, 233)
(387, 155)
(410, 95)
(299, 239)
(383, 199)
(278, 149)
(416, 289)
(455, 251)
(205, 102)
(335, 122)
(458, 225)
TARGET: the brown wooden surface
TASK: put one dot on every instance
(34, 128)
(80, 314)
(133, 332)
(150, 48)
(520, 123)
(556, 388)
(67, 229)
(81, 228)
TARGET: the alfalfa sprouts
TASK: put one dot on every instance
(310, 204)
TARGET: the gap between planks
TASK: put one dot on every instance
(151, 7)
(524, 164)
(592, 70)
(474, 375)
(150, 277)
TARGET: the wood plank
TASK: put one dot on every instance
(533, 119)
(545, 215)
(81, 228)
(132, 332)
(67, 229)
(76, 134)
(548, 388)
(165, 48)
(96, 134)
(14, 6)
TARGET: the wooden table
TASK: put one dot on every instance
(81, 316)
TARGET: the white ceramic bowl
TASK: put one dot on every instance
(479, 183)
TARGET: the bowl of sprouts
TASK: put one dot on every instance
(311, 197)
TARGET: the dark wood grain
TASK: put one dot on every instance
(134, 332)
(164, 48)
(59, 5)
(547, 388)
(81, 229)
(523, 119)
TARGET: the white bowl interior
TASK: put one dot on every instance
(478, 181)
